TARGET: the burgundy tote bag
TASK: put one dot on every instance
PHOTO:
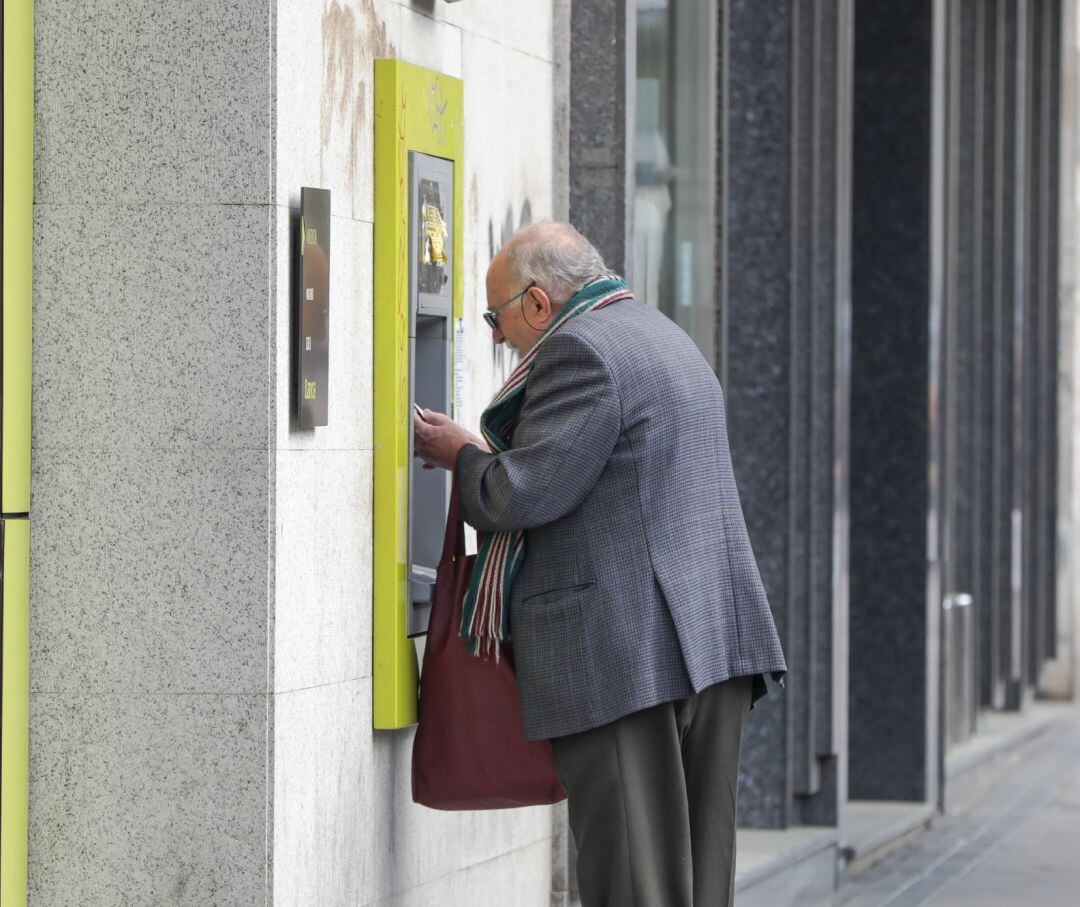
(469, 751)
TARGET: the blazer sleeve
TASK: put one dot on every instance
(567, 428)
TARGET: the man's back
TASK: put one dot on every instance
(643, 587)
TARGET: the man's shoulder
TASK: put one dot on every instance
(613, 325)
(630, 331)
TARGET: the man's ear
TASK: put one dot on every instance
(541, 304)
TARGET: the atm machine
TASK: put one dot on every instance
(17, 191)
(417, 308)
(430, 305)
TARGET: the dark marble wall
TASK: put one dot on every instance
(1020, 134)
(961, 238)
(1014, 582)
(969, 494)
(1000, 241)
(1004, 362)
(888, 421)
(821, 302)
(889, 430)
(785, 114)
(1050, 92)
(960, 268)
(1033, 625)
(601, 126)
(758, 353)
(803, 625)
(783, 334)
(988, 89)
(1040, 399)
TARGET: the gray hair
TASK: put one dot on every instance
(555, 257)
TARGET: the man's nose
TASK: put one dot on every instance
(497, 336)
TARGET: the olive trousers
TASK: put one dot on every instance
(651, 798)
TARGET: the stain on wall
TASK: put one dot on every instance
(507, 228)
(501, 355)
(353, 38)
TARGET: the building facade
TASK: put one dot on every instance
(863, 214)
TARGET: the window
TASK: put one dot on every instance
(675, 152)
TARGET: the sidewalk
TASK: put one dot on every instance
(1017, 845)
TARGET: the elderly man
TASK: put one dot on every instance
(609, 519)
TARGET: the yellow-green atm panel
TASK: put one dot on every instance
(18, 233)
(15, 714)
(418, 299)
(17, 191)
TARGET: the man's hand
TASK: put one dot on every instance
(437, 439)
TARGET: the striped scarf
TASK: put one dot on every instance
(484, 620)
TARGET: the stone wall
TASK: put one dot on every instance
(345, 830)
(201, 568)
(152, 439)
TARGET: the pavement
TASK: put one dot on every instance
(1018, 844)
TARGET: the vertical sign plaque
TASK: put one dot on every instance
(313, 307)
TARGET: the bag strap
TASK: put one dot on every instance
(454, 538)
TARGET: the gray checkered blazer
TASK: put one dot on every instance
(639, 585)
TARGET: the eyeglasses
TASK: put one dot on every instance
(491, 316)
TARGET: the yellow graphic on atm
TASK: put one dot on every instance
(435, 230)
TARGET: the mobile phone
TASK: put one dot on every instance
(419, 412)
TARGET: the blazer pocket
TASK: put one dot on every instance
(551, 652)
(555, 604)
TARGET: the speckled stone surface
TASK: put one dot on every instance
(140, 102)
(599, 120)
(322, 567)
(148, 570)
(342, 796)
(150, 327)
(151, 464)
(147, 799)
(758, 381)
(193, 552)
(890, 299)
